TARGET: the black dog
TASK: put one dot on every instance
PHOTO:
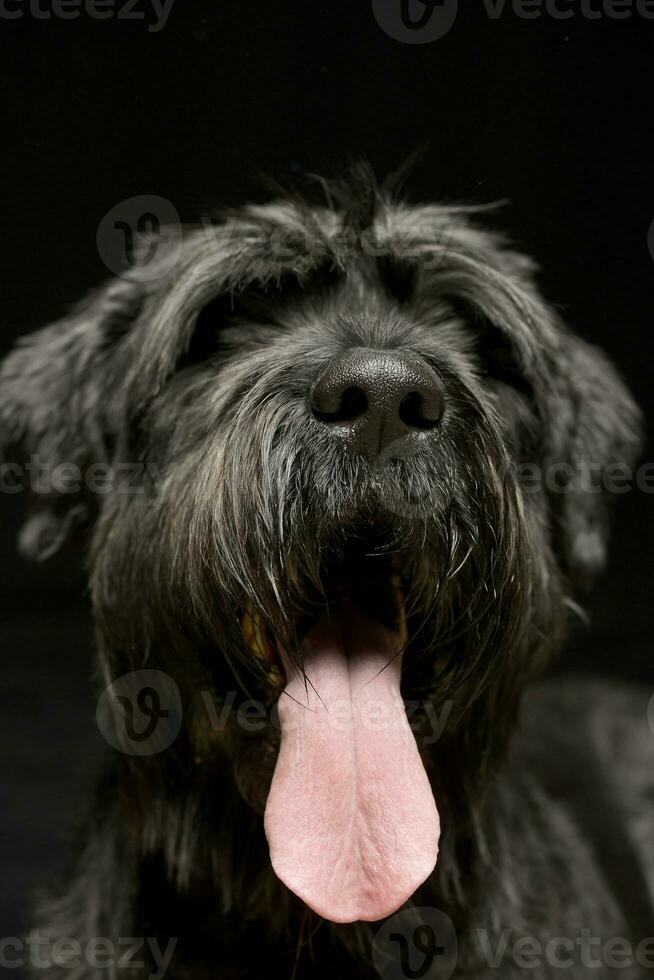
(352, 449)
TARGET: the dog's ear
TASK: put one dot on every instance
(594, 438)
(56, 390)
(589, 422)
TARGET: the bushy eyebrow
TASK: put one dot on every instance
(285, 245)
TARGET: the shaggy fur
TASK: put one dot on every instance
(200, 375)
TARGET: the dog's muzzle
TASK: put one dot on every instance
(381, 403)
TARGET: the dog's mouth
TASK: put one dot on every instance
(366, 580)
(350, 817)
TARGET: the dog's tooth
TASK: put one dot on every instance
(252, 633)
(248, 626)
(276, 676)
(258, 643)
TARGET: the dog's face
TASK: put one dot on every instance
(366, 437)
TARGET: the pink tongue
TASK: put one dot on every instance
(351, 820)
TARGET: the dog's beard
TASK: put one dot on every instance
(310, 543)
(276, 522)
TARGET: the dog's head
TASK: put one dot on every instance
(349, 448)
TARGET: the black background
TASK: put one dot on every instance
(553, 115)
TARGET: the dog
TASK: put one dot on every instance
(355, 515)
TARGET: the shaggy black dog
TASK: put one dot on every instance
(350, 452)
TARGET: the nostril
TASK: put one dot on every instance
(420, 412)
(344, 406)
(379, 398)
(354, 403)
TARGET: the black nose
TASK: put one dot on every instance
(380, 400)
